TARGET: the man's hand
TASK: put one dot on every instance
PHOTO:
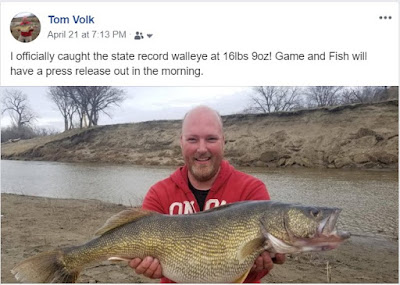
(149, 267)
(266, 262)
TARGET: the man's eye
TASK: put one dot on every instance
(212, 139)
(191, 140)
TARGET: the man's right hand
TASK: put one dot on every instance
(149, 267)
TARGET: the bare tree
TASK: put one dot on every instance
(365, 94)
(88, 102)
(16, 104)
(320, 96)
(94, 100)
(61, 96)
(268, 99)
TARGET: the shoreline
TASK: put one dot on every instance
(31, 225)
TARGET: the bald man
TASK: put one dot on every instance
(204, 182)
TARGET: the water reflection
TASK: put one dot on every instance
(369, 199)
(112, 183)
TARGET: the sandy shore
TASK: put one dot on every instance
(31, 225)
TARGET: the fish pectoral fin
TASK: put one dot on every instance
(248, 248)
(243, 277)
(123, 218)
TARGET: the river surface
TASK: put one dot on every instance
(369, 199)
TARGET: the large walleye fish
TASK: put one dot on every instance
(218, 245)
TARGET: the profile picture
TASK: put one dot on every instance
(25, 27)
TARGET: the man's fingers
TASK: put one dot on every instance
(158, 272)
(152, 268)
(134, 262)
(144, 265)
(263, 262)
(149, 267)
(267, 261)
(279, 258)
(258, 265)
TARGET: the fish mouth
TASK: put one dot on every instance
(327, 237)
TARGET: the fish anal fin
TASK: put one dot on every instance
(248, 248)
(243, 277)
(123, 218)
(117, 258)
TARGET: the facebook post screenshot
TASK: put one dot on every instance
(199, 141)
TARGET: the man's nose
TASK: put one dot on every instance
(202, 146)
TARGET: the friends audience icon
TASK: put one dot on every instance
(25, 27)
(139, 36)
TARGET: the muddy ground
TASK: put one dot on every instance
(31, 225)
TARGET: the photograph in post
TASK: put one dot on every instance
(74, 156)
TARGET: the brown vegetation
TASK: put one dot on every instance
(351, 136)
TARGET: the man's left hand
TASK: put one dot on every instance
(266, 262)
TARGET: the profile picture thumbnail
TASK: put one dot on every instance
(25, 27)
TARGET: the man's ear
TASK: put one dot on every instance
(181, 141)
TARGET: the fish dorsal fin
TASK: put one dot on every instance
(248, 248)
(243, 277)
(218, 208)
(123, 218)
(222, 207)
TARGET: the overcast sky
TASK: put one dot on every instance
(143, 104)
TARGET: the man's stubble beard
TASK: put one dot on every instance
(203, 173)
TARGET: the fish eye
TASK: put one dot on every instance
(314, 212)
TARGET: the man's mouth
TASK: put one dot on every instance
(202, 159)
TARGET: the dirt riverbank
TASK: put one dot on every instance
(31, 225)
(354, 136)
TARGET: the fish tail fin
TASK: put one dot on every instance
(47, 267)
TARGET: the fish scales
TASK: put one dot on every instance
(175, 238)
(219, 245)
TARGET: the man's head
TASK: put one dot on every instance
(202, 143)
(25, 21)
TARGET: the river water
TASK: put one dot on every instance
(369, 199)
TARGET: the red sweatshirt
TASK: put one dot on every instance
(24, 32)
(173, 196)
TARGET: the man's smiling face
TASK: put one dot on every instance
(202, 143)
